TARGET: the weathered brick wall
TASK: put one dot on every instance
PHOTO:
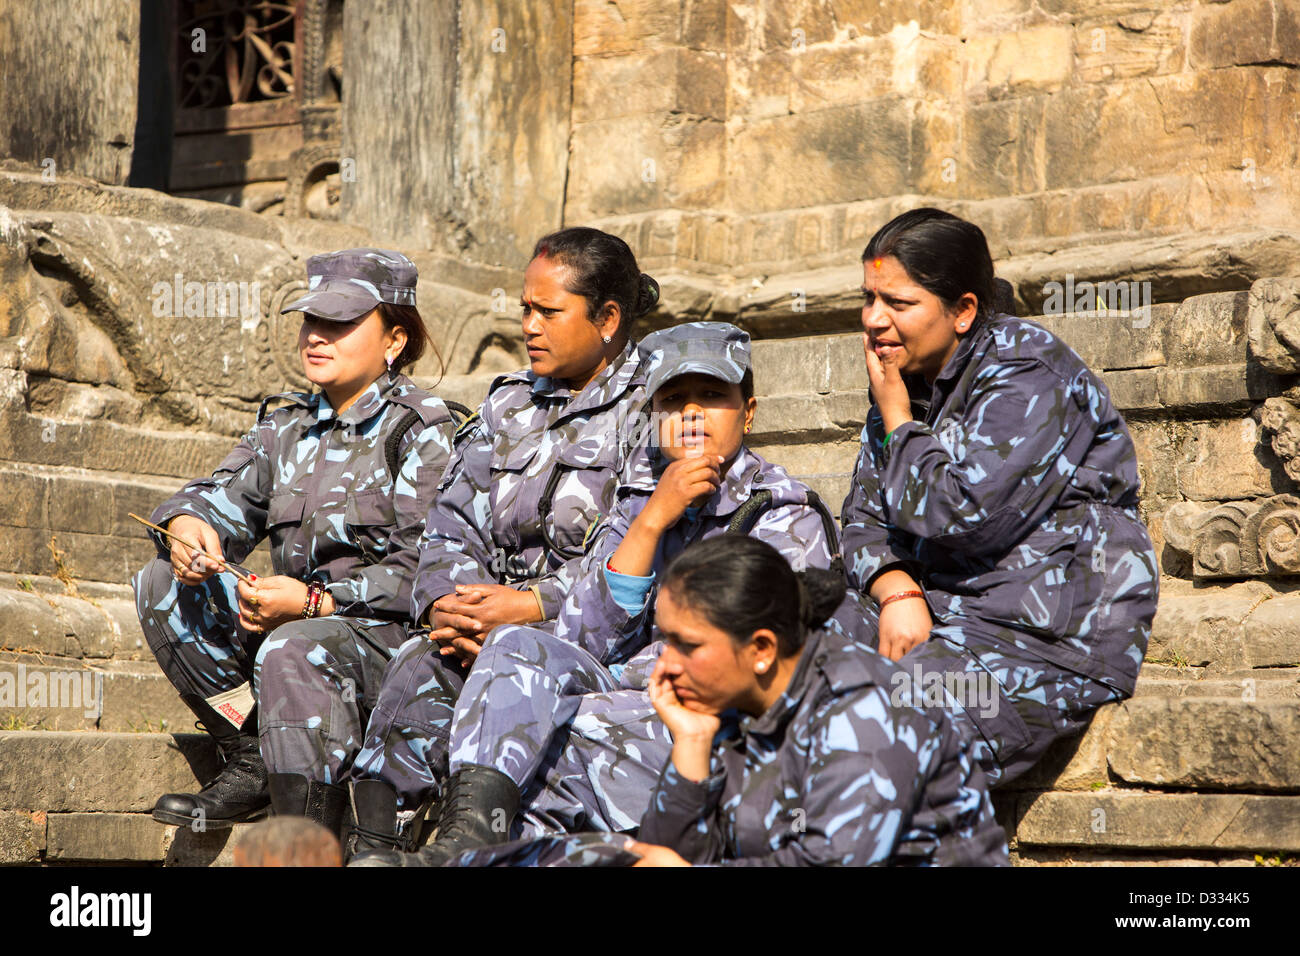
(1127, 139)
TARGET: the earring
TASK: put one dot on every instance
(608, 339)
(761, 667)
(389, 360)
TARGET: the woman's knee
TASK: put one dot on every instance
(294, 644)
(154, 585)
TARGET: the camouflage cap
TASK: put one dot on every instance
(345, 285)
(718, 349)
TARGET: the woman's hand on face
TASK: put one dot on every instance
(683, 481)
(888, 390)
(904, 625)
(188, 566)
(270, 602)
(682, 723)
(653, 855)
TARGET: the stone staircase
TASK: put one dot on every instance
(1199, 767)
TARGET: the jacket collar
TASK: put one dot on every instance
(613, 381)
(369, 404)
(957, 363)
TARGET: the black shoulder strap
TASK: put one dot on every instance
(394, 440)
(748, 513)
(393, 444)
(460, 414)
(828, 526)
(286, 396)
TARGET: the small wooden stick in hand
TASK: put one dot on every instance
(225, 566)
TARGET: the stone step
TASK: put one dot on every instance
(83, 515)
(1207, 743)
(1233, 627)
(97, 772)
(1136, 820)
(79, 797)
(54, 839)
(39, 615)
(44, 693)
(1161, 680)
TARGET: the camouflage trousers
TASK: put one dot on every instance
(581, 740)
(1011, 703)
(314, 681)
(194, 632)
(584, 748)
(406, 738)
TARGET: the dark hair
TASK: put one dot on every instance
(741, 584)
(602, 269)
(407, 317)
(943, 254)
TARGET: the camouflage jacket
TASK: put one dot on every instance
(1013, 501)
(317, 482)
(486, 526)
(844, 769)
(593, 620)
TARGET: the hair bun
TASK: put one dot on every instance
(647, 295)
(821, 592)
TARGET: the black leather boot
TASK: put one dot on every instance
(294, 795)
(478, 807)
(237, 794)
(373, 823)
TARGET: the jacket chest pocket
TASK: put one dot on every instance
(511, 492)
(579, 491)
(370, 517)
(289, 540)
(286, 509)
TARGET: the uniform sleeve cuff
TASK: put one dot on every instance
(344, 593)
(629, 591)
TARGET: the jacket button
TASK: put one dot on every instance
(819, 660)
(758, 479)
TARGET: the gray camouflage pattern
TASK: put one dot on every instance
(842, 770)
(718, 349)
(345, 285)
(1013, 502)
(585, 682)
(486, 527)
(317, 484)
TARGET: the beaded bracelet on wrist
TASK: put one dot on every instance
(901, 595)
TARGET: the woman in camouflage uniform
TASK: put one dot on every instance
(993, 516)
(792, 745)
(533, 473)
(555, 723)
(340, 480)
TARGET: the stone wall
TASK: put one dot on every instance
(762, 141)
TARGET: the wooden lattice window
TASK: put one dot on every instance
(236, 63)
